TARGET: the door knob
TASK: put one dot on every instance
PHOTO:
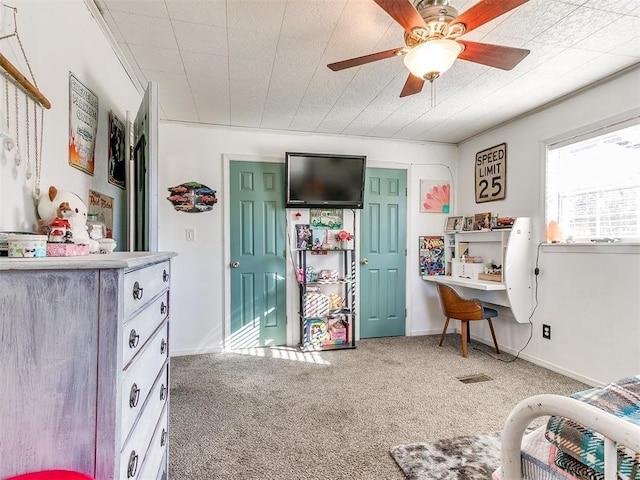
(364, 261)
(235, 264)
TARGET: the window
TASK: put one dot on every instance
(593, 184)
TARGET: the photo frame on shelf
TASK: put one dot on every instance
(303, 236)
(482, 221)
(468, 224)
(319, 236)
(454, 224)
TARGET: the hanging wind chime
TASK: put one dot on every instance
(34, 100)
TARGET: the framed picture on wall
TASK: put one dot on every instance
(117, 166)
(83, 125)
(431, 252)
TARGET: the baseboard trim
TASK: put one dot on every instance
(418, 333)
(541, 363)
(193, 351)
(488, 342)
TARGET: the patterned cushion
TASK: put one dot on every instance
(576, 468)
(621, 399)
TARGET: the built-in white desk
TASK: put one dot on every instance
(511, 248)
(465, 282)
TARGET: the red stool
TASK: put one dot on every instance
(52, 475)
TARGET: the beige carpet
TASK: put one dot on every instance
(276, 413)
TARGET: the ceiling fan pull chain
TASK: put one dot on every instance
(433, 94)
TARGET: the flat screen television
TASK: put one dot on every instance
(324, 180)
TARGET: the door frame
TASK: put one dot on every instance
(226, 241)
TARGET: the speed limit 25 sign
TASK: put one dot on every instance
(491, 174)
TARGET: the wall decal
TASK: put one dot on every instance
(192, 197)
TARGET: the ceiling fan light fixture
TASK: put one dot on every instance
(431, 59)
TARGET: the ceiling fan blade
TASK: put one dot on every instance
(485, 11)
(412, 86)
(497, 56)
(403, 12)
(354, 62)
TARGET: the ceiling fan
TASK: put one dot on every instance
(432, 31)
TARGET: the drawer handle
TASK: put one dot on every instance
(134, 338)
(163, 346)
(163, 308)
(132, 468)
(163, 392)
(165, 276)
(137, 291)
(134, 396)
(163, 438)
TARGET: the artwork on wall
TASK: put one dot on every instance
(83, 125)
(491, 174)
(117, 166)
(102, 205)
(435, 196)
(431, 255)
(192, 197)
(325, 217)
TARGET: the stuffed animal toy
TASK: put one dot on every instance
(67, 205)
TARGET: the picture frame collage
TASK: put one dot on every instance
(478, 222)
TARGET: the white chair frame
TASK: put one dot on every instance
(615, 430)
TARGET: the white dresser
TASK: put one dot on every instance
(84, 350)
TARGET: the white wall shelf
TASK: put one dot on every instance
(512, 249)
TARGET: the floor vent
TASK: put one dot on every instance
(474, 378)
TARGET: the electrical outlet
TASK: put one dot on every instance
(190, 233)
(546, 331)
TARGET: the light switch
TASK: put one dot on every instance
(190, 234)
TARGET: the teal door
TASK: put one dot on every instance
(258, 302)
(383, 254)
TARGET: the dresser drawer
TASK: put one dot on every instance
(138, 329)
(141, 286)
(138, 380)
(154, 466)
(139, 445)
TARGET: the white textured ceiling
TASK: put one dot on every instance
(262, 63)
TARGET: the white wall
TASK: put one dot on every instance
(589, 299)
(201, 270)
(60, 37)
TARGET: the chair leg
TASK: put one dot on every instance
(493, 334)
(465, 331)
(444, 332)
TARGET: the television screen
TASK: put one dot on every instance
(324, 180)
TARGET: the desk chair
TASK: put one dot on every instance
(458, 308)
